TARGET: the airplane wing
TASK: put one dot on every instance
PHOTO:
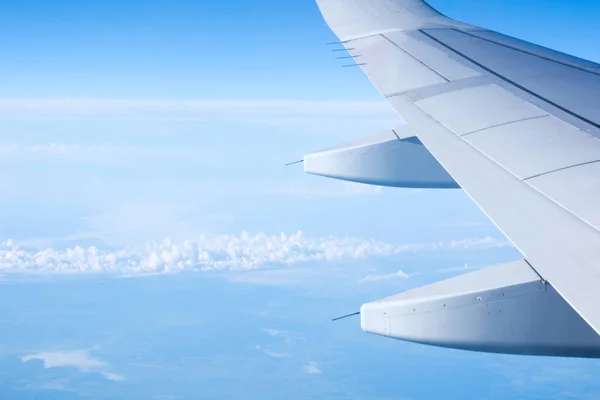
(517, 127)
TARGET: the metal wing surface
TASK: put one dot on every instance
(514, 124)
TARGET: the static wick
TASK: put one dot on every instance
(295, 162)
(354, 65)
(346, 316)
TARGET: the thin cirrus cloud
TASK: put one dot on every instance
(247, 110)
(312, 117)
(79, 359)
(217, 253)
(104, 153)
(84, 152)
(382, 277)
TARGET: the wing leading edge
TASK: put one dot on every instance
(514, 124)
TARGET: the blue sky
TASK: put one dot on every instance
(154, 246)
(253, 49)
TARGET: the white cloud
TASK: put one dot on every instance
(393, 275)
(277, 355)
(106, 152)
(259, 111)
(313, 368)
(242, 252)
(112, 377)
(28, 152)
(482, 242)
(272, 353)
(286, 336)
(275, 332)
(465, 267)
(308, 117)
(79, 359)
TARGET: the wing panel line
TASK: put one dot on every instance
(420, 61)
(496, 74)
(560, 169)
(504, 123)
(525, 51)
(424, 92)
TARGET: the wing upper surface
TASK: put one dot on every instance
(515, 124)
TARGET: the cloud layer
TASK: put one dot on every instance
(217, 253)
(99, 153)
(246, 110)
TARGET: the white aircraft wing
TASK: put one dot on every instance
(517, 127)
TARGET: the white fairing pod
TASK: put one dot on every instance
(501, 309)
(393, 158)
